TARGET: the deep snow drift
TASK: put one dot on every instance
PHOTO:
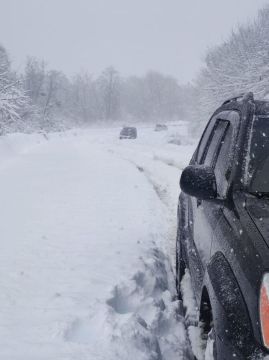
(88, 234)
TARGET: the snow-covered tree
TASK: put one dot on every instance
(13, 100)
(49, 91)
(238, 65)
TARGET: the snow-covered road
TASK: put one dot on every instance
(87, 231)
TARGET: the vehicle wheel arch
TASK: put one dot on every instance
(229, 311)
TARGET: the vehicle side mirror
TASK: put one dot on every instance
(199, 181)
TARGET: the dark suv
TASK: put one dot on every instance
(128, 133)
(223, 230)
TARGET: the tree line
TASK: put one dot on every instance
(45, 99)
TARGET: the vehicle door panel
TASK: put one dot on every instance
(204, 215)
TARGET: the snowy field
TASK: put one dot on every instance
(88, 226)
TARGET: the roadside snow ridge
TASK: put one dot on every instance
(141, 319)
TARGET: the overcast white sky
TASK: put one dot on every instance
(170, 36)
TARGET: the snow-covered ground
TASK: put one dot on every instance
(88, 227)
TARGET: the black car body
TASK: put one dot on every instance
(128, 133)
(223, 228)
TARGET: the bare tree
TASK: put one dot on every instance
(34, 79)
(86, 105)
(109, 90)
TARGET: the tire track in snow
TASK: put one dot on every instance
(161, 192)
(167, 190)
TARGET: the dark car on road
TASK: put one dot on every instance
(161, 127)
(128, 133)
(223, 230)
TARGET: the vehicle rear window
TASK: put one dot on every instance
(258, 157)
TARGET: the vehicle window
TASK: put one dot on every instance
(260, 183)
(258, 170)
(204, 139)
(219, 147)
(224, 159)
(207, 133)
(223, 162)
(214, 142)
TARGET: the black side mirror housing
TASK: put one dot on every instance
(199, 181)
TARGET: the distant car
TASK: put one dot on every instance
(128, 133)
(160, 127)
(223, 230)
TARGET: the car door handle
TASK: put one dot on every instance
(199, 202)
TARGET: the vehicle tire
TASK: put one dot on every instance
(208, 335)
(180, 264)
